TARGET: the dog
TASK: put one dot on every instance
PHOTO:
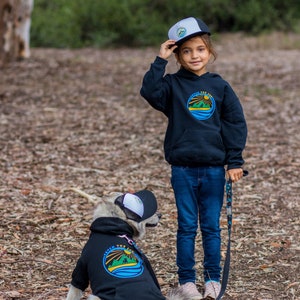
(111, 262)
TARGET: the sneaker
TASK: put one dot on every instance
(212, 289)
(189, 289)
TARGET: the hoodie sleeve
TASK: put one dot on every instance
(155, 88)
(234, 129)
(80, 277)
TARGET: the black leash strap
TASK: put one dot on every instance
(229, 224)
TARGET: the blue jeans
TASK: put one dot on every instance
(199, 192)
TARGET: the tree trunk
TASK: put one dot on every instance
(14, 29)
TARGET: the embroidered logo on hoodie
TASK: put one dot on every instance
(122, 262)
(201, 105)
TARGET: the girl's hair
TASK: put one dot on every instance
(208, 43)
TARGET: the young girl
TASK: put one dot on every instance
(206, 132)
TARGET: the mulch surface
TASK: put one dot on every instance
(74, 118)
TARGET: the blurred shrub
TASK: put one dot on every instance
(110, 23)
(54, 24)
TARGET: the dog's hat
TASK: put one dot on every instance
(138, 206)
(186, 29)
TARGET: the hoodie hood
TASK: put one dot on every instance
(113, 226)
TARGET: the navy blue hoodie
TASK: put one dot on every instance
(114, 267)
(206, 124)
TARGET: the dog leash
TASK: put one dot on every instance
(229, 225)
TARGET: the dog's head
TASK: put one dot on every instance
(139, 210)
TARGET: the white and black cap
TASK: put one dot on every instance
(138, 206)
(186, 29)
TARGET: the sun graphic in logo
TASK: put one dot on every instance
(201, 105)
(122, 262)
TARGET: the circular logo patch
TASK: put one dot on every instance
(181, 31)
(122, 262)
(201, 105)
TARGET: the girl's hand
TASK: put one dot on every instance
(235, 174)
(167, 48)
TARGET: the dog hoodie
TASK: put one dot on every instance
(115, 268)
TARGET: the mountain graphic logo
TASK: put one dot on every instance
(201, 105)
(122, 262)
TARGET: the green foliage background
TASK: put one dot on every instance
(135, 23)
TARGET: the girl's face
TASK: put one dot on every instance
(193, 55)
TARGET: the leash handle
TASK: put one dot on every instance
(229, 204)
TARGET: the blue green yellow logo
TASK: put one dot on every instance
(122, 262)
(201, 105)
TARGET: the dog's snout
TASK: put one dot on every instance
(154, 220)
